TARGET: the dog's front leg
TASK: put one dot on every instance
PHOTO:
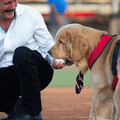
(96, 112)
(113, 112)
(101, 107)
(102, 98)
(93, 114)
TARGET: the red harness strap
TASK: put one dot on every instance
(115, 81)
(103, 42)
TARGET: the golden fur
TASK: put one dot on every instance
(75, 42)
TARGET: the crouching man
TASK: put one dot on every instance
(25, 66)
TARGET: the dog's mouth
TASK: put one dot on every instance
(68, 63)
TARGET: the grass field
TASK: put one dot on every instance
(66, 78)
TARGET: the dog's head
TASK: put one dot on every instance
(72, 45)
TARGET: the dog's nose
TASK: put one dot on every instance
(50, 52)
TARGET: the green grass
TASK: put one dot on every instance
(66, 78)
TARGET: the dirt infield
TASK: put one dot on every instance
(64, 104)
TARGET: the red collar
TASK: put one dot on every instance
(97, 51)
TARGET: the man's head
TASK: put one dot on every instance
(7, 9)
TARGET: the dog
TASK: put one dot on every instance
(75, 43)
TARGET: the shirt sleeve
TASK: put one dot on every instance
(43, 37)
(50, 59)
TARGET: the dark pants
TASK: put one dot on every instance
(27, 77)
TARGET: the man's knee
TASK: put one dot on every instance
(21, 54)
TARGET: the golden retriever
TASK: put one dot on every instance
(74, 43)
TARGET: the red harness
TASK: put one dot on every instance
(103, 42)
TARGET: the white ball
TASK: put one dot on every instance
(60, 61)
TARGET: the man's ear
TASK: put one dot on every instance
(79, 47)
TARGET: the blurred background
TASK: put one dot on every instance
(99, 14)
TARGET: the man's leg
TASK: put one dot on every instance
(9, 89)
(31, 68)
(45, 71)
(7, 103)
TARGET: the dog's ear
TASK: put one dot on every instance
(83, 65)
(79, 47)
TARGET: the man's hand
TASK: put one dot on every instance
(57, 65)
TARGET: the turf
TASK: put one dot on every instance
(66, 78)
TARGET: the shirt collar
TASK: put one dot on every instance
(19, 10)
(3, 29)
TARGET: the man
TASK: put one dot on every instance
(57, 18)
(25, 67)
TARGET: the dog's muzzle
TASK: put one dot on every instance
(68, 63)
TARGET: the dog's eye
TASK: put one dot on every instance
(60, 42)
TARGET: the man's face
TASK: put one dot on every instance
(7, 9)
